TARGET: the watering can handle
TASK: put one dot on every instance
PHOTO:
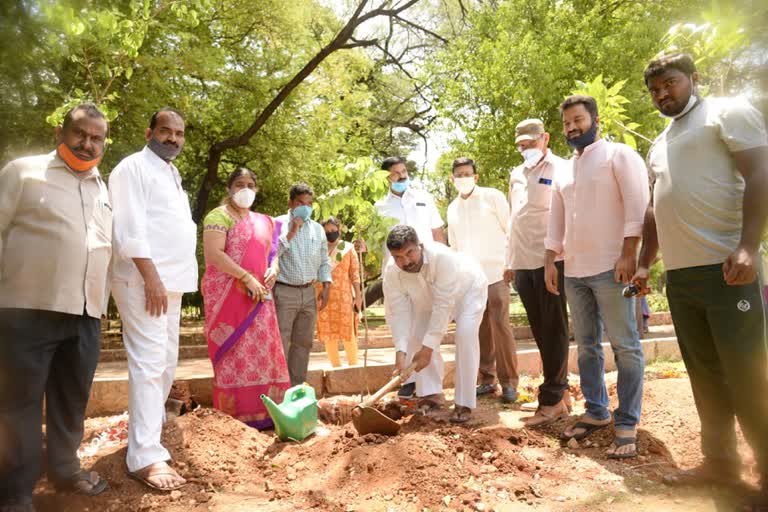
(298, 393)
(392, 384)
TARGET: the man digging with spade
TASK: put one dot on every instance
(425, 287)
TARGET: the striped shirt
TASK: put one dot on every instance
(303, 259)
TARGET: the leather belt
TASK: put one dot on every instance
(305, 285)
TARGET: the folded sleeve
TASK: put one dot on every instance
(398, 310)
(632, 178)
(445, 294)
(10, 194)
(556, 226)
(324, 271)
(129, 209)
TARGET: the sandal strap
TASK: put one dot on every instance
(624, 441)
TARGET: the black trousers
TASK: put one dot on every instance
(42, 353)
(721, 333)
(548, 317)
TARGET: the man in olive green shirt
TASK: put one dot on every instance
(56, 229)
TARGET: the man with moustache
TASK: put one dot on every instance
(595, 223)
(425, 287)
(709, 208)
(154, 264)
(416, 208)
(56, 228)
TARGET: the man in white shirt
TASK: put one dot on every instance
(411, 207)
(425, 287)
(477, 226)
(154, 264)
(530, 194)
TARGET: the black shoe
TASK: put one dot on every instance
(407, 390)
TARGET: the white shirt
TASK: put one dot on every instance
(431, 293)
(530, 194)
(415, 208)
(152, 219)
(477, 226)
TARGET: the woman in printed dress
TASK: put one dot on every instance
(337, 323)
(244, 345)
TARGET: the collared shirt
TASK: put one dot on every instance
(698, 191)
(596, 204)
(530, 195)
(431, 293)
(477, 226)
(304, 258)
(152, 220)
(415, 208)
(56, 229)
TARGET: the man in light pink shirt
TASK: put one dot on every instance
(596, 220)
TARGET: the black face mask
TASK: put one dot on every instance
(332, 236)
(585, 139)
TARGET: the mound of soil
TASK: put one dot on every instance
(490, 463)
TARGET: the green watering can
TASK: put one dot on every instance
(295, 418)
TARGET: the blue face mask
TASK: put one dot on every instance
(400, 186)
(303, 211)
(585, 139)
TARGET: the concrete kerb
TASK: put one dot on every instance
(109, 395)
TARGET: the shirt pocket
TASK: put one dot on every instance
(540, 193)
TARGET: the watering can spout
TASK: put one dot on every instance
(273, 409)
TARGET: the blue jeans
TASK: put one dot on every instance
(596, 301)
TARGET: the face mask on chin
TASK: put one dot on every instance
(585, 139)
(464, 185)
(74, 162)
(167, 152)
(691, 103)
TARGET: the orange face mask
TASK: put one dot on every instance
(75, 163)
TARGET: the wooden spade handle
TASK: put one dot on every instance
(389, 386)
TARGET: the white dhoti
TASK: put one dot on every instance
(152, 345)
(419, 306)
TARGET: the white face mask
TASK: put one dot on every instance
(244, 197)
(464, 185)
(532, 156)
(691, 103)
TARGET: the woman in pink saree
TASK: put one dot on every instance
(244, 345)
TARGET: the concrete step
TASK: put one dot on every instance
(109, 393)
(193, 344)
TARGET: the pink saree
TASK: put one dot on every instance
(244, 340)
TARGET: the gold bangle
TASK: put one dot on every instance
(242, 277)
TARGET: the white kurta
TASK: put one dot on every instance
(419, 306)
(152, 219)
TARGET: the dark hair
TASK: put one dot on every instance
(331, 220)
(153, 120)
(679, 61)
(90, 110)
(463, 160)
(400, 236)
(300, 189)
(240, 171)
(389, 162)
(577, 99)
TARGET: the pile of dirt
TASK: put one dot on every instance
(491, 463)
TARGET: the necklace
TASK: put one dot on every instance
(236, 213)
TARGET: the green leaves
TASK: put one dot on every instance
(614, 121)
